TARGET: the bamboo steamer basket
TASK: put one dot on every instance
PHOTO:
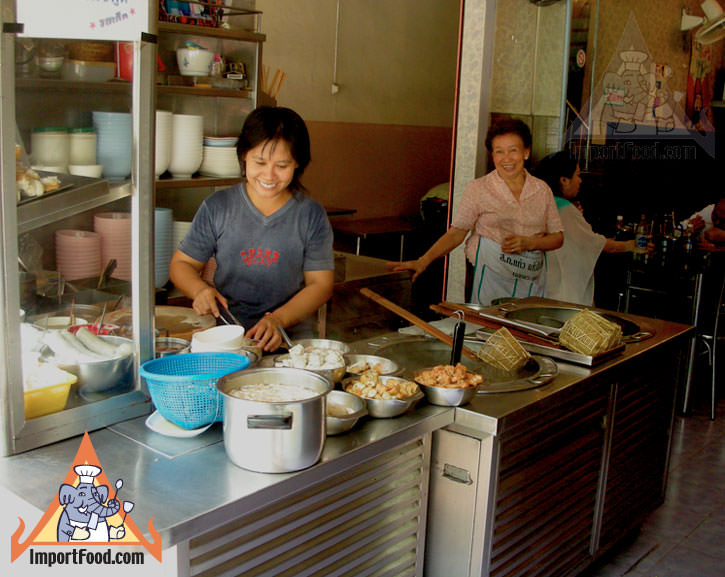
(94, 51)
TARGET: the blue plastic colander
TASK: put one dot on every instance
(183, 387)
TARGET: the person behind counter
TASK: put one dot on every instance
(570, 269)
(512, 218)
(271, 242)
(709, 224)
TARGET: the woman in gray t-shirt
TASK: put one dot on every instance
(272, 243)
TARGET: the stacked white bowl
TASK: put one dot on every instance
(113, 143)
(179, 232)
(221, 339)
(115, 231)
(220, 161)
(186, 144)
(77, 253)
(164, 131)
(163, 244)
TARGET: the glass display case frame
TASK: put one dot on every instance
(18, 433)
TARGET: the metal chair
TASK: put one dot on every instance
(710, 342)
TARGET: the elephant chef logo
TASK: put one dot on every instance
(87, 510)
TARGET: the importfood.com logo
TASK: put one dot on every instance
(88, 524)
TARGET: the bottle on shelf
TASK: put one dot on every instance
(641, 238)
(619, 228)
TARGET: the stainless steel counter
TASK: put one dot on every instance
(485, 412)
(188, 485)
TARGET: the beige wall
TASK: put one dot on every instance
(384, 139)
(396, 59)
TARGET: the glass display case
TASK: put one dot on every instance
(77, 220)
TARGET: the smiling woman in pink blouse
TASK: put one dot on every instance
(512, 220)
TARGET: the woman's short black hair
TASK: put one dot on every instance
(508, 126)
(553, 167)
(270, 124)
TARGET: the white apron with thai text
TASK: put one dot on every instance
(498, 274)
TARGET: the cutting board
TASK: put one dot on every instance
(180, 322)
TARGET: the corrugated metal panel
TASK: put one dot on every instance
(547, 486)
(640, 435)
(368, 520)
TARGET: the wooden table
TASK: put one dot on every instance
(364, 227)
(338, 211)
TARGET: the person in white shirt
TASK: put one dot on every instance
(709, 223)
(570, 269)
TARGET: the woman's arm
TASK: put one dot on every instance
(618, 245)
(445, 244)
(516, 244)
(316, 292)
(185, 273)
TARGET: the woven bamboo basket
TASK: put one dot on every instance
(93, 51)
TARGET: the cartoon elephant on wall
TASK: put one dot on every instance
(84, 515)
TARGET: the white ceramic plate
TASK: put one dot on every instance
(159, 424)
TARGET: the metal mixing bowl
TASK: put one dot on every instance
(386, 408)
(357, 406)
(445, 396)
(323, 344)
(60, 318)
(333, 375)
(382, 365)
(102, 375)
(448, 397)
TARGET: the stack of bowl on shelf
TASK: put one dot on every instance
(62, 150)
(186, 144)
(114, 229)
(179, 232)
(49, 148)
(164, 127)
(113, 145)
(163, 244)
(82, 153)
(77, 254)
(220, 157)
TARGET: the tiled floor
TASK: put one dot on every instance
(685, 537)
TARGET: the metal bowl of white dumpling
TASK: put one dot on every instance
(327, 362)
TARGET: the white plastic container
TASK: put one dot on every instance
(88, 71)
(82, 146)
(49, 146)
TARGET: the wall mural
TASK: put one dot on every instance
(634, 97)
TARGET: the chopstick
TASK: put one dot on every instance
(275, 91)
(417, 321)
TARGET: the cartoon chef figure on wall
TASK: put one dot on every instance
(84, 515)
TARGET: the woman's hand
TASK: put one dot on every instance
(415, 265)
(266, 332)
(516, 244)
(207, 300)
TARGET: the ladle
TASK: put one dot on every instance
(285, 337)
(417, 321)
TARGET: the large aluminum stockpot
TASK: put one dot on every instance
(274, 436)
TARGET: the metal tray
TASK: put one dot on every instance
(419, 352)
